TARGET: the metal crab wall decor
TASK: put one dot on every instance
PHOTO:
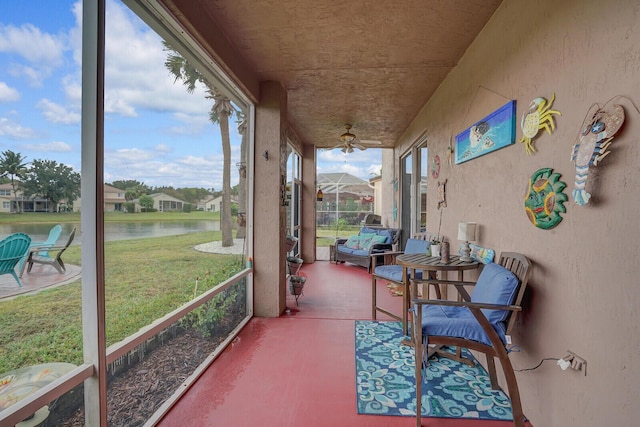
(597, 132)
(545, 199)
(539, 116)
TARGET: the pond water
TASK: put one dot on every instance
(116, 230)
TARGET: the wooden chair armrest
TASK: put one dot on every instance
(477, 305)
(392, 253)
(444, 282)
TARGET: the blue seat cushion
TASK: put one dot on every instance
(496, 285)
(360, 252)
(394, 272)
(456, 322)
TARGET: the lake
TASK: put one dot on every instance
(116, 230)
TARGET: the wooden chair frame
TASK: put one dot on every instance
(521, 267)
(390, 256)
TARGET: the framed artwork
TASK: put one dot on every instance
(495, 131)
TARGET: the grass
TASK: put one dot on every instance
(74, 217)
(145, 279)
(325, 236)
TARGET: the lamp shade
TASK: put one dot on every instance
(467, 231)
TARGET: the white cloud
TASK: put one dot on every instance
(374, 170)
(43, 52)
(135, 75)
(56, 113)
(363, 164)
(48, 147)
(13, 130)
(8, 94)
(163, 148)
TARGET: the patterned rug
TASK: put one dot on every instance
(386, 386)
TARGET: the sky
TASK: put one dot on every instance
(155, 131)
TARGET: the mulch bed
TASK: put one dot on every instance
(136, 394)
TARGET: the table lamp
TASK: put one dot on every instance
(466, 233)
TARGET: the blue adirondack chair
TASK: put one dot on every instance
(13, 248)
(54, 235)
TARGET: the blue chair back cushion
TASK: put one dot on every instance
(378, 231)
(393, 272)
(496, 285)
(416, 246)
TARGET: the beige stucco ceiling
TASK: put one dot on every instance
(370, 63)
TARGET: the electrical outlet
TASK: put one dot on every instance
(573, 361)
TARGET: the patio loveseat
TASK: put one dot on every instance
(370, 240)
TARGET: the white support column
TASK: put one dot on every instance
(92, 208)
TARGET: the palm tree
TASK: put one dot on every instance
(12, 164)
(242, 184)
(220, 112)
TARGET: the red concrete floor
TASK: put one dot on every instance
(298, 369)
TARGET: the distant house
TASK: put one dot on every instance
(113, 200)
(344, 197)
(10, 203)
(163, 203)
(214, 204)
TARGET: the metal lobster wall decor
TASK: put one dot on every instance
(597, 132)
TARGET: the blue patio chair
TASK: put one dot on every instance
(478, 322)
(54, 235)
(13, 248)
(393, 274)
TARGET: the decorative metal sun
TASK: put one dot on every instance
(545, 199)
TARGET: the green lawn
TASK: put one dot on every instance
(145, 279)
(58, 218)
(325, 236)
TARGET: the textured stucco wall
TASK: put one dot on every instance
(584, 291)
(269, 213)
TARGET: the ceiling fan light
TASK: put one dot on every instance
(350, 149)
(347, 137)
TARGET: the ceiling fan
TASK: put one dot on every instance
(349, 141)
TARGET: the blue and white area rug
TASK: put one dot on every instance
(386, 386)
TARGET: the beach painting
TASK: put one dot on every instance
(495, 131)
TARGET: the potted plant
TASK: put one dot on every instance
(435, 247)
(296, 283)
